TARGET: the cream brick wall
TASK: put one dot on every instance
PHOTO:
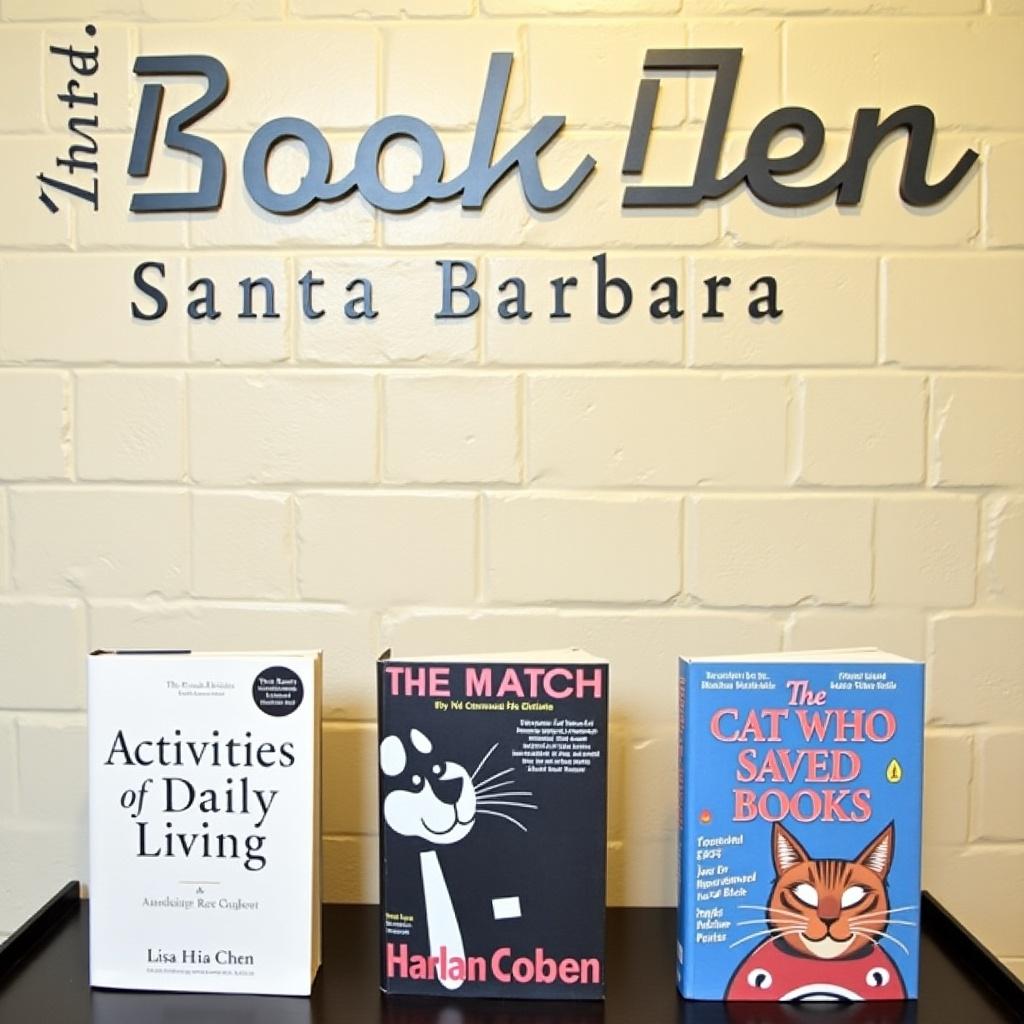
(852, 473)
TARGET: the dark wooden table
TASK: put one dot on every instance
(44, 980)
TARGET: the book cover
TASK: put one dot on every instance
(800, 826)
(204, 821)
(493, 782)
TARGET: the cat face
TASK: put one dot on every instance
(428, 796)
(832, 908)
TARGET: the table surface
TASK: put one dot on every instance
(44, 978)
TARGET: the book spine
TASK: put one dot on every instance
(381, 827)
(686, 777)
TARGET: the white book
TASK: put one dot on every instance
(204, 821)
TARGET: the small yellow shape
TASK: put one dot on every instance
(893, 771)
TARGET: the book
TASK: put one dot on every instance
(800, 826)
(204, 821)
(493, 790)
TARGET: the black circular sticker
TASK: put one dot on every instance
(277, 691)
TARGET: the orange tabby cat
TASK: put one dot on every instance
(825, 922)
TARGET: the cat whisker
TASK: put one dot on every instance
(507, 817)
(859, 920)
(490, 778)
(483, 761)
(494, 785)
(868, 932)
(509, 792)
(766, 931)
(505, 803)
(893, 910)
(752, 906)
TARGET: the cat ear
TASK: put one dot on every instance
(877, 855)
(786, 851)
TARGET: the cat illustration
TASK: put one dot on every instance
(825, 921)
(434, 802)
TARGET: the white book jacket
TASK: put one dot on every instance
(204, 821)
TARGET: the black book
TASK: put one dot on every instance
(493, 789)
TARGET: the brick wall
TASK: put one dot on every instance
(851, 474)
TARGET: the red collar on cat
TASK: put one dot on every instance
(775, 971)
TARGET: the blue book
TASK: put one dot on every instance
(800, 826)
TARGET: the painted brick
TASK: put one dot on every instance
(1004, 213)
(798, 337)
(594, 216)
(827, 8)
(145, 440)
(609, 59)
(863, 430)
(118, 88)
(326, 74)
(759, 88)
(379, 8)
(384, 549)
(348, 638)
(242, 545)
(406, 295)
(548, 548)
(440, 429)
(584, 338)
(984, 889)
(953, 311)
(643, 788)
(776, 551)
(976, 663)
(634, 8)
(232, 339)
(882, 219)
(113, 225)
(655, 430)
(436, 225)
(27, 222)
(897, 630)
(21, 75)
(925, 550)
(350, 778)
(411, 50)
(100, 541)
(999, 768)
(1002, 550)
(871, 68)
(69, 10)
(978, 430)
(43, 643)
(651, 877)
(282, 428)
(92, 321)
(640, 645)
(350, 869)
(52, 747)
(32, 411)
(8, 768)
(5, 541)
(37, 859)
(209, 10)
(947, 773)
(240, 223)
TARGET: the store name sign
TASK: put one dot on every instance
(762, 172)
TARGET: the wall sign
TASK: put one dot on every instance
(759, 170)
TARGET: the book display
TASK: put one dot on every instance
(800, 826)
(799, 850)
(204, 813)
(493, 782)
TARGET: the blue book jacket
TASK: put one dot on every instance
(800, 826)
